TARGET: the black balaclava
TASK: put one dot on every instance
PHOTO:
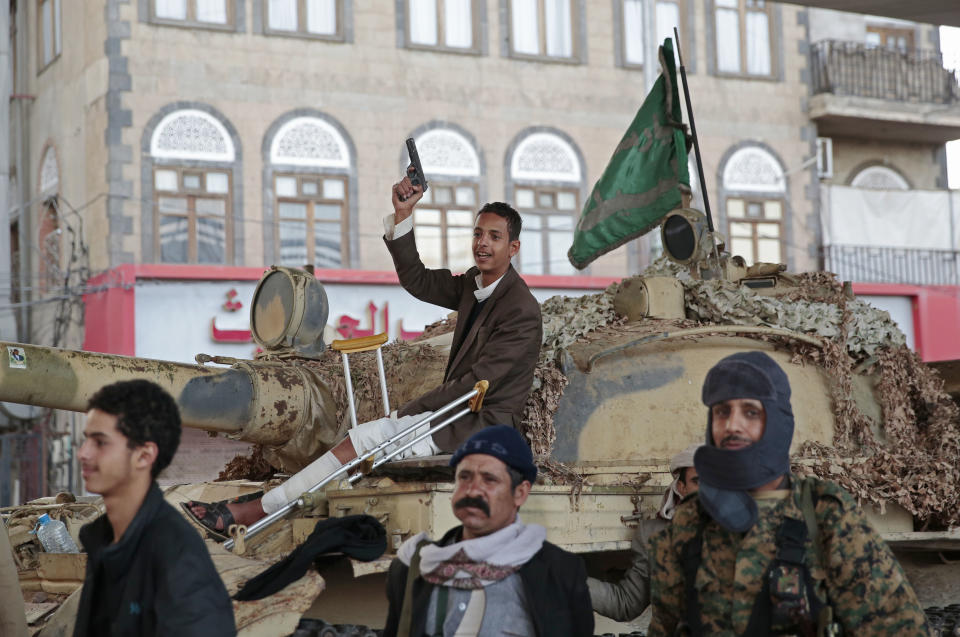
(726, 475)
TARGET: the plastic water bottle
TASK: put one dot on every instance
(54, 537)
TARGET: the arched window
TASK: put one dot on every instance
(546, 173)
(444, 218)
(755, 199)
(49, 172)
(310, 163)
(48, 226)
(193, 157)
(879, 178)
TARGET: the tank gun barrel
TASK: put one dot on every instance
(260, 402)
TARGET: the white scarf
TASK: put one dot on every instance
(492, 556)
(672, 497)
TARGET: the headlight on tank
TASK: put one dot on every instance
(289, 312)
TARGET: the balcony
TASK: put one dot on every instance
(891, 236)
(870, 264)
(878, 93)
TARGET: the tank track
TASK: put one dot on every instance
(320, 628)
(944, 620)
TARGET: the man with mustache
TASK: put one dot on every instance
(760, 551)
(493, 575)
(497, 339)
(148, 572)
(628, 598)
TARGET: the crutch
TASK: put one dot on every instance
(239, 533)
(353, 346)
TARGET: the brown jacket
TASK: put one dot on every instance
(502, 347)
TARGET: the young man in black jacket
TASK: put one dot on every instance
(494, 575)
(148, 571)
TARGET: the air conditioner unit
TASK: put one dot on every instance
(824, 157)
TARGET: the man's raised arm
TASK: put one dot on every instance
(438, 287)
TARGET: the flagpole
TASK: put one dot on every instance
(693, 133)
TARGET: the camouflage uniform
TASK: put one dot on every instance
(867, 588)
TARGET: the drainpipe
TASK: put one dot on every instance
(953, 230)
(21, 133)
(8, 325)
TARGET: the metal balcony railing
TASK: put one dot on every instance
(855, 69)
(867, 264)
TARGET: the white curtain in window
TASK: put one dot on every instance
(531, 257)
(633, 31)
(171, 9)
(322, 16)
(668, 17)
(458, 23)
(282, 15)
(525, 30)
(559, 28)
(214, 11)
(423, 22)
(728, 40)
(758, 43)
(46, 11)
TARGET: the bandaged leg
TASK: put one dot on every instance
(364, 437)
(370, 434)
(299, 482)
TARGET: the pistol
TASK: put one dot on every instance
(415, 170)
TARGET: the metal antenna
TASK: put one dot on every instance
(693, 131)
(696, 145)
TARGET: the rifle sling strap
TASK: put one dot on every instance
(406, 611)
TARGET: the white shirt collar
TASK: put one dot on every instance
(483, 293)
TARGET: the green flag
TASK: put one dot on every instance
(642, 182)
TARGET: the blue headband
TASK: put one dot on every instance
(504, 443)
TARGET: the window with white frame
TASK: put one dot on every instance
(543, 28)
(879, 178)
(49, 31)
(755, 205)
(49, 248)
(744, 37)
(312, 18)
(444, 24)
(311, 219)
(311, 161)
(667, 15)
(444, 217)
(192, 184)
(48, 233)
(203, 13)
(547, 175)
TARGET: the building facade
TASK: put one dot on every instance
(198, 141)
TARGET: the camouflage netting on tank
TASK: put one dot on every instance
(247, 467)
(914, 461)
(413, 368)
(813, 309)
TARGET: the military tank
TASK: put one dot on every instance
(616, 393)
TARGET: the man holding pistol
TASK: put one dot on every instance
(497, 339)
